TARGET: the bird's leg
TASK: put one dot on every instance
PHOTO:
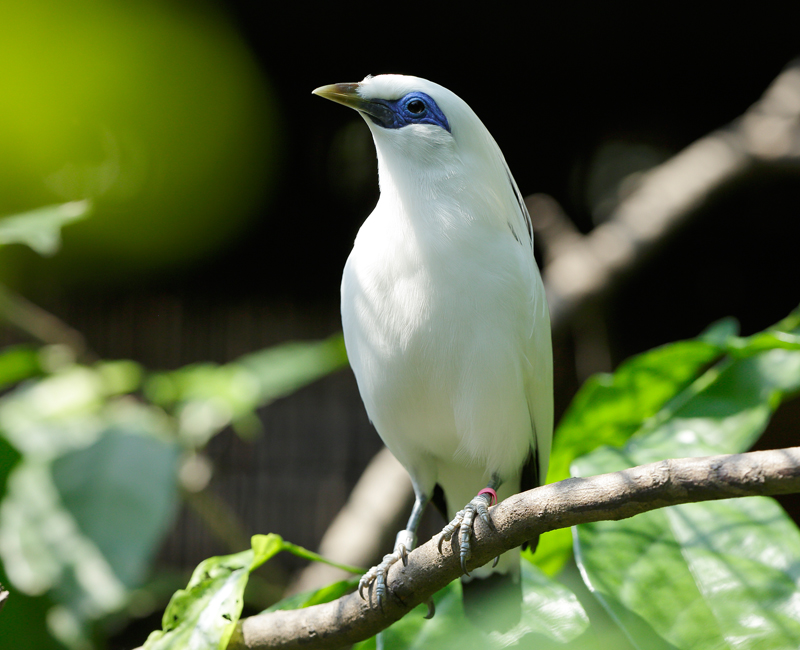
(405, 541)
(465, 520)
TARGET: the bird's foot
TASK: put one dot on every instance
(405, 542)
(465, 521)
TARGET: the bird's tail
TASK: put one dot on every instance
(493, 600)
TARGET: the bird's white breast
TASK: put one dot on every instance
(437, 324)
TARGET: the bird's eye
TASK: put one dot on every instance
(415, 106)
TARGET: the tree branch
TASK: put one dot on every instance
(559, 505)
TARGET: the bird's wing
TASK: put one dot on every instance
(539, 352)
(523, 218)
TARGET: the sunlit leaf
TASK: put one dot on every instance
(203, 615)
(283, 369)
(709, 575)
(646, 390)
(744, 555)
(703, 575)
(609, 409)
(549, 609)
(634, 567)
(41, 229)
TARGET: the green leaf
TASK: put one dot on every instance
(721, 574)
(549, 609)
(91, 494)
(549, 612)
(9, 457)
(646, 391)
(209, 397)
(204, 615)
(265, 547)
(41, 229)
(744, 556)
(724, 412)
(122, 492)
(283, 369)
(609, 409)
(299, 551)
(708, 575)
(315, 596)
(635, 569)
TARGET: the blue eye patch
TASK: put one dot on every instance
(414, 108)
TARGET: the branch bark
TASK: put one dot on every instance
(574, 501)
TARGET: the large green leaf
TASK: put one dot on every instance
(645, 392)
(703, 575)
(86, 526)
(43, 549)
(711, 575)
(315, 596)
(610, 408)
(71, 409)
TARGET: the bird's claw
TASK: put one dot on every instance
(377, 575)
(465, 521)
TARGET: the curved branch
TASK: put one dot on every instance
(559, 505)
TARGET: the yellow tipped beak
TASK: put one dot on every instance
(346, 94)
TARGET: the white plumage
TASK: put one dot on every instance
(444, 313)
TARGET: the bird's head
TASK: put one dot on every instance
(422, 131)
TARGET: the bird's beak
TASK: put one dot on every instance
(347, 94)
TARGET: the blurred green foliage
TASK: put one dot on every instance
(154, 110)
(95, 457)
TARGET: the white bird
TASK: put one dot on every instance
(444, 313)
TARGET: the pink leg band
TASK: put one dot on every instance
(491, 493)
